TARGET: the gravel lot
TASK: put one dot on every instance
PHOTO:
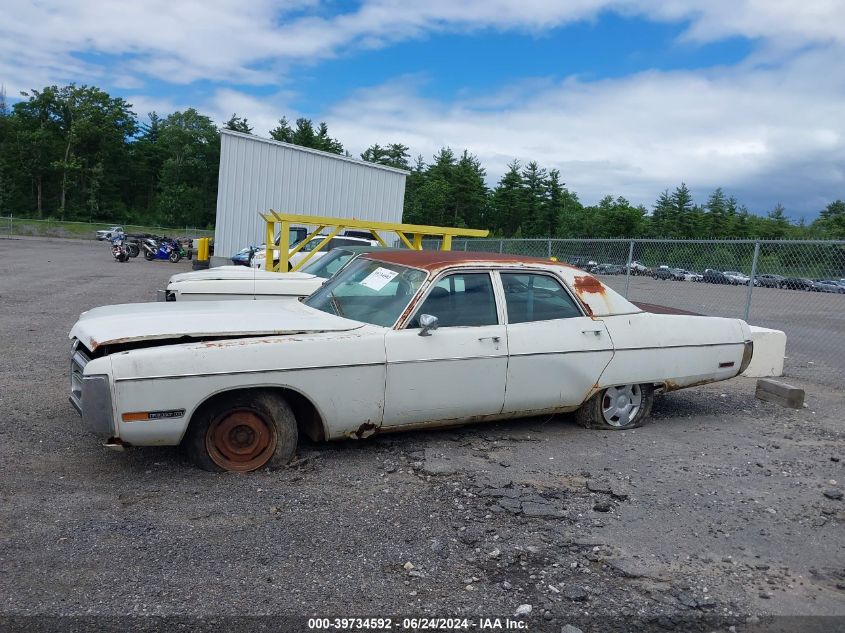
(723, 508)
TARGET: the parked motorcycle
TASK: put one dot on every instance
(119, 249)
(133, 248)
(162, 249)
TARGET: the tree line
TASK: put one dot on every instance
(77, 153)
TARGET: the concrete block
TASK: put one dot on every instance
(780, 393)
(769, 353)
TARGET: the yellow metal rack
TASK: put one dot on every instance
(411, 235)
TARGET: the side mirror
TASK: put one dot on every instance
(428, 323)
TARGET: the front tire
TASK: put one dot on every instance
(242, 432)
(617, 408)
(174, 256)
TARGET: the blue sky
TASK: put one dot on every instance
(625, 97)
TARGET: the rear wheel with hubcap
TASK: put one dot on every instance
(617, 408)
(242, 432)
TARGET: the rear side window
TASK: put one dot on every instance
(462, 299)
(532, 297)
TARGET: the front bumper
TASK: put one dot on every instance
(91, 396)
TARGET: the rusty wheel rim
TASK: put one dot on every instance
(241, 440)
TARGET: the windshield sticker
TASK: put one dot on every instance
(379, 278)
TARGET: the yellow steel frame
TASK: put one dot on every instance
(411, 235)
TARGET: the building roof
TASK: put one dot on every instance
(299, 148)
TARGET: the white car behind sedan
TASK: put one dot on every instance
(259, 259)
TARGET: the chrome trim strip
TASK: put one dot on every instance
(634, 349)
(562, 352)
(245, 371)
(444, 360)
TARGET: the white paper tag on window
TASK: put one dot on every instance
(379, 278)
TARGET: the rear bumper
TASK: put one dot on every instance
(747, 355)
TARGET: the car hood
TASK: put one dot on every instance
(235, 273)
(111, 325)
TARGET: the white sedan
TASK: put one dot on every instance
(258, 260)
(237, 282)
(397, 340)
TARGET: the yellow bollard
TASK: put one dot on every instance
(201, 260)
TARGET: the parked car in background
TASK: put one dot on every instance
(768, 280)
(584, 263)
(827, 285)
(110, 233)
(737, 278)
(664, 272)
(244, 256)
(797, 283)
(640, 269)
(691, 276)
(608, 269)
(237, 282)
(258, 260)
(715, 277)
(396, 341)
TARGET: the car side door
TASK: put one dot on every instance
(459, 370)
(556, 352)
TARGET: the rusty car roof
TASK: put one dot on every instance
(597, 298)
(436, 260)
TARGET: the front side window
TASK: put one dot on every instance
(311, 244)
(532, 297)
(327, 266)
(369, 291)
(462, 299)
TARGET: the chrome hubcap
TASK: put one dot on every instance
(620, 405)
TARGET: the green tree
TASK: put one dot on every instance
(282, 132)
(508, 203)
(93, 128)
(717, 209)
(683, 217)
(831, 221)
(238, 124)
(394, 155)
(662, 215)
(188, 183)
(534, 202)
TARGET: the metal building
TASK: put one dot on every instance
(257, 174)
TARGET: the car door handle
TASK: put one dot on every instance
(596, 332)
(495, 339)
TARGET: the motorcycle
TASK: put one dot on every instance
(119, 249)
(133, 248)
(162, 249)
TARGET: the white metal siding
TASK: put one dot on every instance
(258, 174)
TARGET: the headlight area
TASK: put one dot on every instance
(94, 403)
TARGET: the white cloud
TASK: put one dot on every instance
(767, 134)
(771, 123)
(255, 42)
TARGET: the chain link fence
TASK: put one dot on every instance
(14, 226)
(794, 286)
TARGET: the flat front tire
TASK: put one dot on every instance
(617, 408)
(242, 432)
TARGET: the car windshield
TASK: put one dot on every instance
(294, 237)
(329, 264)
(369, 291)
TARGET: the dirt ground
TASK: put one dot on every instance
(723, 511)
